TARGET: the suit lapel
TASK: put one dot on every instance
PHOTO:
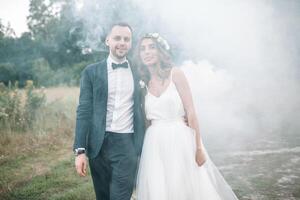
(135, 83)
(101, 82)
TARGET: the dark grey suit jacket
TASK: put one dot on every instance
(91, 111)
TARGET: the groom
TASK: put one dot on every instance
(110, 124)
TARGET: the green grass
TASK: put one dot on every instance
(45, 172)
(59, 182)
(39, 164)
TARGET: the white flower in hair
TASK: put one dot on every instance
(156, 35)
(142, 84)
(160, 40)
(166, 45)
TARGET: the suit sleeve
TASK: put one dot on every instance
(84, 111)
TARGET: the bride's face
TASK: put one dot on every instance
(149, 52)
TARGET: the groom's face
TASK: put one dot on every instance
(119, 41)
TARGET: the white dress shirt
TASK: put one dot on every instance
(119, 117)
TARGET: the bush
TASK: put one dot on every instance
(7, 72)
(43, 75)
(10, 108)
(34, 102)
(18, 108)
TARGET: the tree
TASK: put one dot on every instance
(6, 31)
(52, 26)
(16, 55)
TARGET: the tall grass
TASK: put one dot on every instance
(19, 108)
(28, 118)
(36, 135)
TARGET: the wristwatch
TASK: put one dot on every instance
(79, 151)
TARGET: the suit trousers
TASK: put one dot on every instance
(113, 170)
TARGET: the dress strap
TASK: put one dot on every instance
(171, 74)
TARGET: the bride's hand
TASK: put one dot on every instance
(200, 157)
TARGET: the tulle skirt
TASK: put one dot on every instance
(168, 170)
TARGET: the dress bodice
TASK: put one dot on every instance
(168, 106)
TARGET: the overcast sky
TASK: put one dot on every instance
(15, 12)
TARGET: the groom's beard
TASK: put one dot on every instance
(119, 53)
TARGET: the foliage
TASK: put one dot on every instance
(51, 23)
(44, 76)
(6, 31)
(10, 109)
(34, 101)
(8, 72)
(50, 53)
(60, 39)
(16, 56)
(18, 109)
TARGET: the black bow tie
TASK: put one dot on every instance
(122, 65)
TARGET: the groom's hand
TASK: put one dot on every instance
(185, 118)
(81, 164)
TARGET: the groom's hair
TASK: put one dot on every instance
(122, 24)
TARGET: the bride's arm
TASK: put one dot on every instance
(186, 96)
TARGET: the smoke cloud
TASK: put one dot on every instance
(241, 57)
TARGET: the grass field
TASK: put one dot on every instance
(40, 165)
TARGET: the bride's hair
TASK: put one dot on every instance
(164, 58)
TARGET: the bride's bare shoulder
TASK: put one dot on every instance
(178, 75)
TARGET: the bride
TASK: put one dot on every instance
(174, 164)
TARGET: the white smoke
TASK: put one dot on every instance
(252, 87)
(249, 83)
(229, 106)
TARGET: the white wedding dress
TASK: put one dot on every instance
(167, 169)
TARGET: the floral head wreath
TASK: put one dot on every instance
(160, 40)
